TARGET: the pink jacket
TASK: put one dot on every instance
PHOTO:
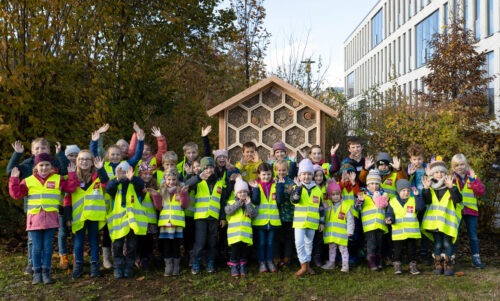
(162, 148)
(43, 220)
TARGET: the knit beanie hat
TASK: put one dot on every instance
(279, 146)
(318, 168)
(240, 185)
(306, 166)
(205, 162)
(71, 149)
(402, 184)
(333, 186)
(146, 168)
(346, 167)
(43, 157)
(438, 165)
(373, 177)
(383, 157)
(171, 172)
(124, 166)
(220, 152)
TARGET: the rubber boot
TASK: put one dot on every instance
(46, 277)
(106, 258)
(94, 269)
(372, 262)
(448, 267)
(438, 264)
(177, 267)
(302, 271)
(235, 268)
(329, 265)
(243, 268)
(77, 270)
(169, 267)
(345, 266)
(118, 265)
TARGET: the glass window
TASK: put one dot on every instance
(466, 13)
(425, 30)
(489, 15)
(350, 85)
(477, 23)
(377, 28)
(490, 68)
(446, 17)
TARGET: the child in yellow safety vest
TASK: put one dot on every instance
(308, 215)
(320, 179)
(441, 219)
(174, 199)
(402, 215)
(339, 226)
(239, 213)
(266, 194)
(43, 190)
(372, 208)
(126, 218)
(471, 188)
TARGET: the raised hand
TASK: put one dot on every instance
(136, 127)
(253, 183)
(103, 129)
(184, 189)
(297, 182)
(448, 181)
(95, 136)
(71, 167)
(411, 169)
(345, 176)
(334, 149)
(15, 173)
(205, 131)
(234, 176)
(98, 162)
(292, 155)
(204, 175)
(396, 163)
(18, 146)
(130, 173)
(368, 162)
(256, 157)
(426, 182)
(155, 131)
(302, 153)
(140, 135)
(188, 169)
(352, 177)
(58, 147)
(472, 174)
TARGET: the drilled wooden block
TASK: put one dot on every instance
(251, 102)
(260, 116)
(283, 117)
(237, 116)
(270, 136)
(295, 136)
(306, 117)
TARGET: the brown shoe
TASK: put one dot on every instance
(63, 262)
(310, 270)
(302, 271)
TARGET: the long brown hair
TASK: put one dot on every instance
(85, 176)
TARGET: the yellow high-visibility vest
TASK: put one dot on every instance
(89, 205)
(46, 196)
(268, 209)
(336, 225)
(372, 217)
(306, 213)
(172, 213)
(239, 227)
(406, 224)
(208, 204)
(441, 216)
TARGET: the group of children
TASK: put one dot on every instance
(206, 205)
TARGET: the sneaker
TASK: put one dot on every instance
(243, 268)
(345, 267)
(211, 267)
(329, 265)
(195, 268)
(46, 278)
(271, 267)
(262, 267)
(63, 262)
(37, 278)
(476, 262)
(77, 271)
(397, 268)
(413, 268)
(118, 273)
(94, 270)
(28, 270)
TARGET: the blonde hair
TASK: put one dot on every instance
(282, 163)
(457, 159)
(40, 140)
(170, 157)
(189, 146)
(85, 175)
(109, 148)
(164, 190)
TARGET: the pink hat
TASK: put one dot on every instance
(279, 146)
(333, 186)
(42, 158)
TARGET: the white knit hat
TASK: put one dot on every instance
(373, 177)
(240, 185)
(71, 149)
(123, 166)
(306, 166)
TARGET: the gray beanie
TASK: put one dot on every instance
(402, 184)
(383, 156)
(71, 149)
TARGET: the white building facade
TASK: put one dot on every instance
(391, 41)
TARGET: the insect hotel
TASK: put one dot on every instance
(271, 110)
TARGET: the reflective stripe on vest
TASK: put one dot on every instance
(89, 205)
(268, 209)
(239, 227)
(389, 185)
(372, 217)
(172, 213)
(121, 220)
(336, 224)
(208, 204)
(350, 198)
(441, 215)
(406, 224)
(46, 196)
(306, 213)
(468, 198)
(189, 211)
(149, 209)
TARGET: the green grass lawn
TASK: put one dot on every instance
(359, 284)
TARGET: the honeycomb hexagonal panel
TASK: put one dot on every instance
(248, 133)
(270, 136)
(295, 136)
(272, 97)
(235, 154)
(237, 117)
(231, 136)
(311, 136)
(283, 117)
(249, 103)
(306, 117)
(260, 117)
(294, 103)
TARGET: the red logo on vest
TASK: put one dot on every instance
(341, 215)
(315, 199)
(51, 184)
(388, 181)
(274, 196)
(219, 190)
(409, 209)
(97, 185)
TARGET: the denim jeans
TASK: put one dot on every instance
(93, 233)
(206, 231)
(442, 244)
(304, 244)
(62, 237)
(42, 248)
(265, 250)
(30, 241)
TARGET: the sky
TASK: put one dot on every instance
(323, 24)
